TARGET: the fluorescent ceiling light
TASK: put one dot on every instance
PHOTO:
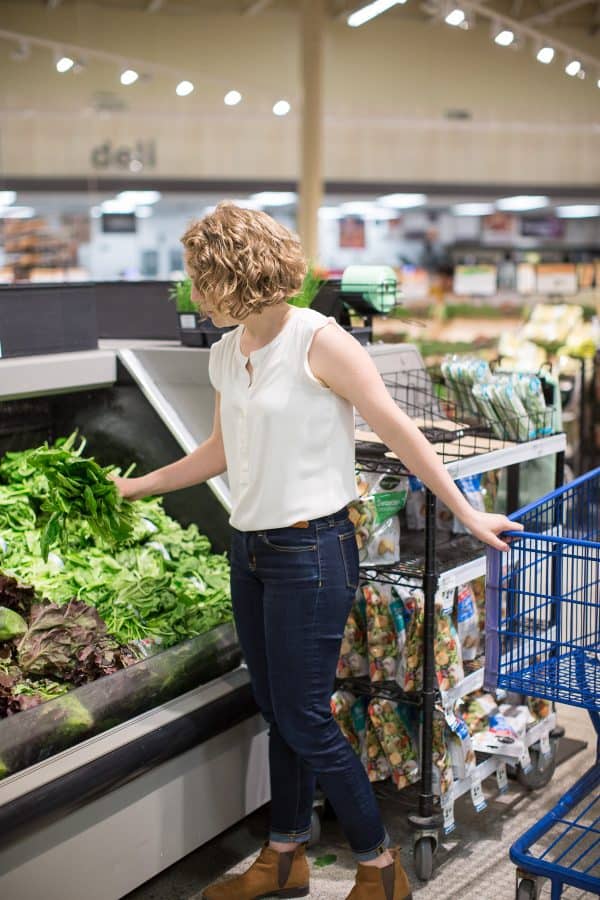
(402, 201)
(95, 212)
(368, 12)
(64, 64)
(232, 98)
(521, 203)
(580, 211)
(505, 38)
(17, 212)
(274, 198)
(281, 108)
(7, 197)
(139, 197)
(367, 209)
(144, 212)
(329, 212)
(117, 206)
(473, 209)
(545, 55)
(184, 88)
(129, 76)
(455, 18)
(246, 203)
(573, 68)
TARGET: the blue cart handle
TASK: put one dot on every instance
(552, 539)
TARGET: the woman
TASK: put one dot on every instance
(287, 381)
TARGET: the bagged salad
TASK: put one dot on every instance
(341, 707)
(353, 662)
(375, 516)
(382, 643)
(378, 768)
(467, 622)
(393, 732)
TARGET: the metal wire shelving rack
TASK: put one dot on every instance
(467, 444)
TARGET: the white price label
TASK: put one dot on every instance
(525, 761)
(477, 795)
(545, 745)
(449, 823)
(502, 778)
(187, 321)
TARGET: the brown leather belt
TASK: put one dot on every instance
(302, 524)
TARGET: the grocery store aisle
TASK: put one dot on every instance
(472, 863)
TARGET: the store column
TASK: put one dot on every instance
(311, 179)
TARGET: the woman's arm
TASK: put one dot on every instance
(203, 463)
(342, 363)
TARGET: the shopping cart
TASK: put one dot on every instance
(543, 640)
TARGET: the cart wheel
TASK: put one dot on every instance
(541, 771)
(315, 829)
(526, 890)
(423, 854)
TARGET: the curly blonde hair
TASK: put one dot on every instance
(243, 260)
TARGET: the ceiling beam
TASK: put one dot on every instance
(550, 14)
(256, 7)
(595, 23)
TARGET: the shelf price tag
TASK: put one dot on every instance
(448, 812)
(525, 760)
(545, 745)
(502, 778)
(477, 795)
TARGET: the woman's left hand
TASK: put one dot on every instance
(487, 527)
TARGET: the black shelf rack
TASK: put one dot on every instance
(459, 433)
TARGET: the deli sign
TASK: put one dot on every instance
(142, 155)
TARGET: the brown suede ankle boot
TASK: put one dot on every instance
(271, 875)
(389, 883)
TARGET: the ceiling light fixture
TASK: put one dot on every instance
(455, 18)
(281, 108)
(141, 197)
(578, 211)
(184, 88)
(129, 76)
(522, 203)
(7, 197)
(17, 212)
(64, 64)
(573, 68)
(473, 209)
(370, 11)
(545, 55)
(402, 201)
(232, 98)
(505, 38)
(329, 212)
(274, 198)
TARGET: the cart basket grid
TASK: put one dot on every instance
(543, 600)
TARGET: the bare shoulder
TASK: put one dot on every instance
(337, 359)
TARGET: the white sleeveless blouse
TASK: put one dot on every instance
(289, 440)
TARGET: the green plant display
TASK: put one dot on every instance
(308, 291)
(181, 294)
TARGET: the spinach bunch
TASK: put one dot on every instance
(79, 489)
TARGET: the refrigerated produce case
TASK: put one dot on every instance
(112, 782)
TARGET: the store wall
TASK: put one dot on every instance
(388, 87)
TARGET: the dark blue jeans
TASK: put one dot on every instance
(292, 590)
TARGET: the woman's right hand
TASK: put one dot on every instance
(130, 488)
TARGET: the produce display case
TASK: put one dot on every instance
(77, 767)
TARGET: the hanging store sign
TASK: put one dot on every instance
(135, 158)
